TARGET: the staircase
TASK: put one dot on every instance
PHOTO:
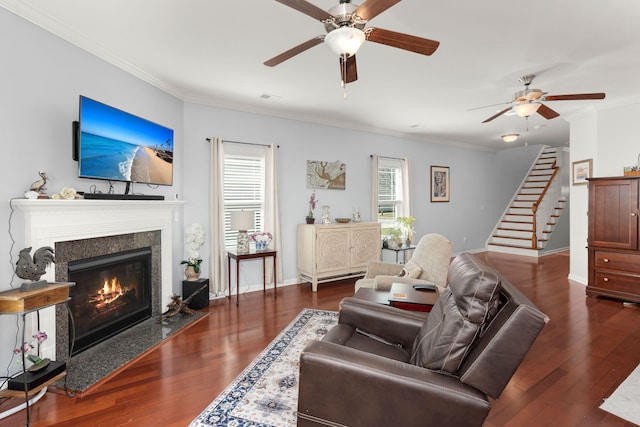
(535, 209)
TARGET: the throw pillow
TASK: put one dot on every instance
(411, 270)
(459, 316)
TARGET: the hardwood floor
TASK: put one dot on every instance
(588, 348)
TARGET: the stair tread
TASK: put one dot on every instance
(513, 246)
(517, 238)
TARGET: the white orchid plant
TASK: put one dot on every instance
(194, 238)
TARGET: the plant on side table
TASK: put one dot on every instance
(312, 205)
(406, 225)
(194, 238)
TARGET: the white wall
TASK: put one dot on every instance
(481, 183)
(42, 77)
(609, 137)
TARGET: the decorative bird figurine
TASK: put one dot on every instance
(38, 186)
(32, 269)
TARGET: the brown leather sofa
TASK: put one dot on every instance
(381, 366)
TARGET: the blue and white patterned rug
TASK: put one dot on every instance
(265, 394)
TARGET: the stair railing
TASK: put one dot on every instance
(544, 206)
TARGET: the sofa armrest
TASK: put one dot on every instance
(389, 323)
(376, 268)
(343, 386)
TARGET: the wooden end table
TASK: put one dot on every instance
(413, 300)
(232, 253)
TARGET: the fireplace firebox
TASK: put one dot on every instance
(112, 293)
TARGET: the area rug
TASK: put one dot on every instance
(625, 401)
(265, 394)
(91, 367)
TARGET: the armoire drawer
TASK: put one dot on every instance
(617, 261)
(617, 282)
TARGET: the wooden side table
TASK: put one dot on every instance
(251, 255)
(21, 304)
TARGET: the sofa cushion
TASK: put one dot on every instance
(411, 270)
(462, 310)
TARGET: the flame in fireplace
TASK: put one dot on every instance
(110, 292)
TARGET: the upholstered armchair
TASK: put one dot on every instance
(382, 366)
(428, 264)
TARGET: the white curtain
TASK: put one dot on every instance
(272, 207)
(218, 262)
(374, 187)
(406, 187)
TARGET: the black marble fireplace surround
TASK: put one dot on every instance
(71, 251)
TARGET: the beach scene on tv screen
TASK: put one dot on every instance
(119, 146)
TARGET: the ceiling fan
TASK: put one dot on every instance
(345, 26)
(529, 101)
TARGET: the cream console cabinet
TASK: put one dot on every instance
(329, 252)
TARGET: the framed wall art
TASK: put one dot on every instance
(580, 171)
(440, 184)
(326, 175)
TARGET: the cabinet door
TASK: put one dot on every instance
(365, 246)
(332, 250)
(613, 213)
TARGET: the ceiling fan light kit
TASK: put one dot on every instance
(526, 108)
(510, 137)
(529, 101)
(345, 41)
(344, 25)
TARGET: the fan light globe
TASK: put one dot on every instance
(526, 109)
(510, 137)
(345, 40)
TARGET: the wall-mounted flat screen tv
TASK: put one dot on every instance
(118, 146)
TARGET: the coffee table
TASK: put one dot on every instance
(401, 295)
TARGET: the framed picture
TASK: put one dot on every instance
(440, 188)
(580, 171)
(326, 175)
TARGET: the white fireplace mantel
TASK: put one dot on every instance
(49, 221)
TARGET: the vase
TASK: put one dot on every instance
(191, 274)
(261, 245)
(310, 220)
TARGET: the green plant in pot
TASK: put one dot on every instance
(192, 271)
(393, 236)
(406, 226)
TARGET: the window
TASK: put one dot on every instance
(244, 186)
(390, 191)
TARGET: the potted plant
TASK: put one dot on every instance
(194, 238)
(192, 271)
(37, 362)
(393, 237)
(406, 225)
(312, 205)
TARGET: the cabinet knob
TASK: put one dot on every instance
(633, 214)
(605, 279)
(605, 260)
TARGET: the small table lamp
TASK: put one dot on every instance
(242, 221)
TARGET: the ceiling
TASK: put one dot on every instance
(212, 52)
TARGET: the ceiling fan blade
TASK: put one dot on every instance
(372, 8)
(497, 115)
(307, 8)
(575, 97)
(487, 106)
(348, 72)
(294, 51)
(547, 112)
(402, 41)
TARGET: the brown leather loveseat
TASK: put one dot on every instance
(381, 366)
